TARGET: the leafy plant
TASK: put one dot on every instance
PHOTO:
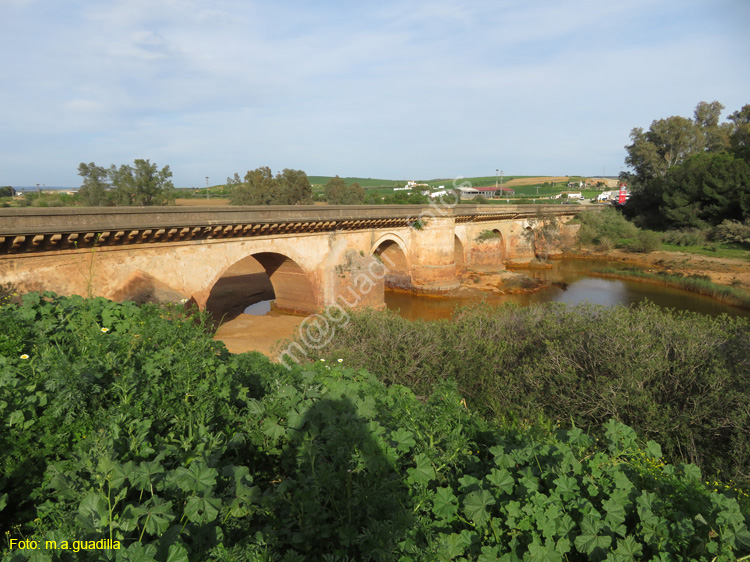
(163, 443)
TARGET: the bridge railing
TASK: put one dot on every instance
(24, 220)
(44, 229)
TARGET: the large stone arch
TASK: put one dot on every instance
(391, 251)
(257, 277)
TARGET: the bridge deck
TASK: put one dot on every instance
(49, 229)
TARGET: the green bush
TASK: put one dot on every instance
(674, 377)
(180, 451)
(646, 241)
(734, 232)
(607, 223)
(686, 237)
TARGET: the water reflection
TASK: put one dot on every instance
(259, 308)
(580, 288)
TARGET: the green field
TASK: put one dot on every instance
(367, 183)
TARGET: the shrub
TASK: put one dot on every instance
(605, 244)
(686, 237)
(733, 232)
(646, 241)
(232, 458)
(609, 223)
(675, 377)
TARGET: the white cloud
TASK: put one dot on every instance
(385, 89)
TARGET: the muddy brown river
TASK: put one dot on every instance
(567, 281)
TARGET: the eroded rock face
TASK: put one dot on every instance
(141, 288)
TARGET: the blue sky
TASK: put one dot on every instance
(408, 89)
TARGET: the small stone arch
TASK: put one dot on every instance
(258, 277)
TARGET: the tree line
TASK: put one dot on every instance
(690, 173)
(289, 187)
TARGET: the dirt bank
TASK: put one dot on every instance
(258, 333)
(724, 271)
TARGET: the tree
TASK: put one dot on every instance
(716, 136)
(257, 188)
(339, 193)
(293, 188)
(7, 191)
(260, 187)
(706, 190)
(142, 184)
(93, 192)
(669, 143)
(739, 137)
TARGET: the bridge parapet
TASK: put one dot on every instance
(49, 229)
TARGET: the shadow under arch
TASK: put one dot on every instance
(458, 253)
(344, 495)
(500, 242)
(391, 251)
(260, 277)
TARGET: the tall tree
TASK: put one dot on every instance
(294, 188)
(739, 137)
(257, 188)
(716, 136)
(668, 144)
(260, 187)
(706, 190)
(339, 193)
(93, 192)
(142, 184)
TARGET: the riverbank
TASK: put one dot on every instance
(725, 279)
(723, 271)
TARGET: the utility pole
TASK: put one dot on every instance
(496, 179)
(501, 180)
(208, 194)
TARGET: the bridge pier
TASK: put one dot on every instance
(433, 264)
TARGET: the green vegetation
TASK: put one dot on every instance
(605, 228)
(676, 378)
(488, 235)
(131, 424)
(140, 184)
(693, 283)
(710, 249)
(260, 187)
(367, 183)
(397, 198)
(338, 192)
(608, 228)
(690, 172)
(733, 232)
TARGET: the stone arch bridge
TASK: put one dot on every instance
(306, 257)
